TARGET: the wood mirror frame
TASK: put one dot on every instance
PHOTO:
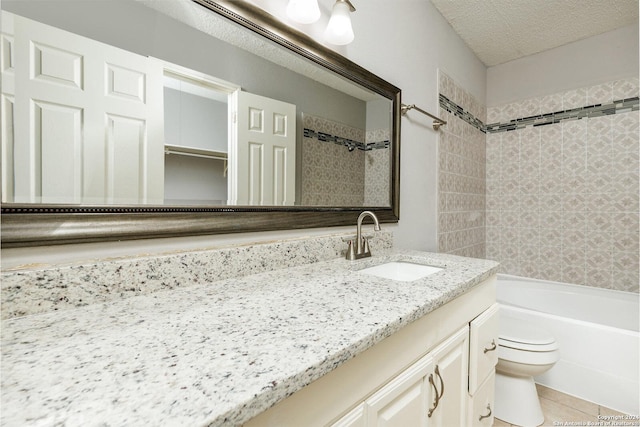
(50, 224)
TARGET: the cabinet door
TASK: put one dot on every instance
(404, 401)
(483, 347)
(481, 411)
(450, 370)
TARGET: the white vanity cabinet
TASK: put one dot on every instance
(398, 381)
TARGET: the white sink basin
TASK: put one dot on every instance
(401, 270)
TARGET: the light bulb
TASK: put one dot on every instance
(339, 30)
(303, 11)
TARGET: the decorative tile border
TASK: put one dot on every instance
(460, 112)
(349, 143)
(598, 110)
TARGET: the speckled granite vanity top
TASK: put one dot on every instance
(215, 354)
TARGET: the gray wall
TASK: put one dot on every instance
(378, 115)
(598, 59)
(194, 121)
(193, 180)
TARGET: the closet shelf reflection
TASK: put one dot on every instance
(194, 152)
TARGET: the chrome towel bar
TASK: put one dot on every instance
(437, 120)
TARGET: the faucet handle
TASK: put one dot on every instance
(365, 246)
(347, 239)
(351, 251)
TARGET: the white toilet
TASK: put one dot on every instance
(523, 352)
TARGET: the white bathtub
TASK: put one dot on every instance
(598, 333)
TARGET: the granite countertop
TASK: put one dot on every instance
(216, 354)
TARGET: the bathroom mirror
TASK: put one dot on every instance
(343, 116)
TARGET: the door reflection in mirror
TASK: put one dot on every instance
(86, 119)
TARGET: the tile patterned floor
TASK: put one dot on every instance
(559, 408)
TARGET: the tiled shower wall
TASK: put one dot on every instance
(562, 198)
(331, 174)
(377, 168)
(334, 175)
(461, 172)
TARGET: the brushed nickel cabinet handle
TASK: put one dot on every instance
(437, 399)
(493, 347)
(437, 371)
(482, 417)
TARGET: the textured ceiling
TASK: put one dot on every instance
(499, 31)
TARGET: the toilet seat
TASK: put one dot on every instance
(518, 335)
(536, 348)
(507, 355)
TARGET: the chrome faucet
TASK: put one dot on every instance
(361, 247)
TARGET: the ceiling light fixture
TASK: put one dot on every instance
(303, 11)
(339, 30)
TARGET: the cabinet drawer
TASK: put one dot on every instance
(483, 351)
(481, 413)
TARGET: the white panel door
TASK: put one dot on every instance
(262, 152)
(7, 100)
(88, 124)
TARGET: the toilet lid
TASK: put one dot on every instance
(517, 331)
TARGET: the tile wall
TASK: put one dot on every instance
(377, 169)
(562, 189)
(331, 174)
(343, 165)
(461, 172)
